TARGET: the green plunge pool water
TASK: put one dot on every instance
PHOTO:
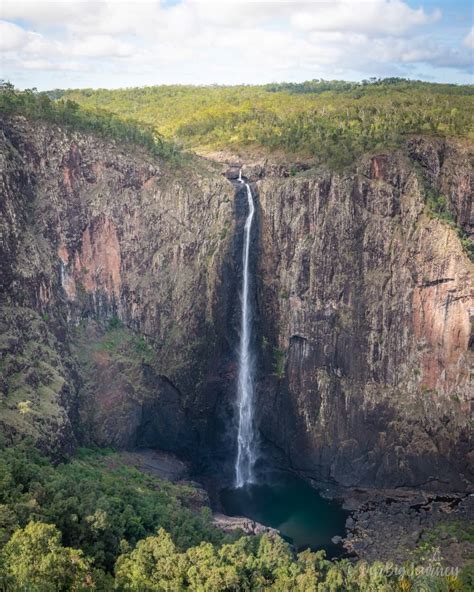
(289, 504)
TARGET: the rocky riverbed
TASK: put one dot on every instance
(396, 525)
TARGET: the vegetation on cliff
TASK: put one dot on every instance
(329, 121)
(66, 112)
(437, 205)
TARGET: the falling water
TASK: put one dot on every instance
(246, 451)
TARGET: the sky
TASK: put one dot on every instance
(114, 43)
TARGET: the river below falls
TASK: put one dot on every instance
(289, 504)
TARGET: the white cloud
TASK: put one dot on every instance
(11, 36)
(222, 41)
(468, 40)
(53, 66)
(373, 17)
(99, 46)
(15, 39)
(55, 12)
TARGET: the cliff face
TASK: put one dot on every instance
(111, 267)
(367, 302)
(119, 307)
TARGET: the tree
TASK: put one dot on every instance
(153, 565)
(34, 560)
(208, 572)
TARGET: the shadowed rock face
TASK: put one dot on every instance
(369, 302)
(119, 307)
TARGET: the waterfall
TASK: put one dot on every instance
(246, 444)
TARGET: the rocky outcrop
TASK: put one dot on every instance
(366, 302)
(161, 464)
(240, 523)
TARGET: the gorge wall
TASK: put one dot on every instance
(113, 311)
(119, 293)
(368, 302)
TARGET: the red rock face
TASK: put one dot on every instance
(441, 324)
(378, 166)
(71, 168)
(97, 264)
(63, 254)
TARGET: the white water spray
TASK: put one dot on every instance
(246, 441)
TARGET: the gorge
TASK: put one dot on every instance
(121, 313)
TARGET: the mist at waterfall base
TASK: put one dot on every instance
(285, 502)
(282, 501)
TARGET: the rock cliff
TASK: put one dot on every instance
(119, 283)
(367, 304)
(111, 271)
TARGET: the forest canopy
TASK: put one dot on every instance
(322, 121)
(332, 121)
(66, 112)
(94, 523)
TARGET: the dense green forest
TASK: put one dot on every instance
(96, 523)
(65, 112)
(322, 121)
(325, 121)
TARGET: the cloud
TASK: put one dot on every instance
(372, 17)
(232, 40)
(151, 16)
(53, 66)
(11, 36)
(99, 46)
(468, 40)
(55, 12)
(15, 39)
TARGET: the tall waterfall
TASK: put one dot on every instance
(246, 441)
